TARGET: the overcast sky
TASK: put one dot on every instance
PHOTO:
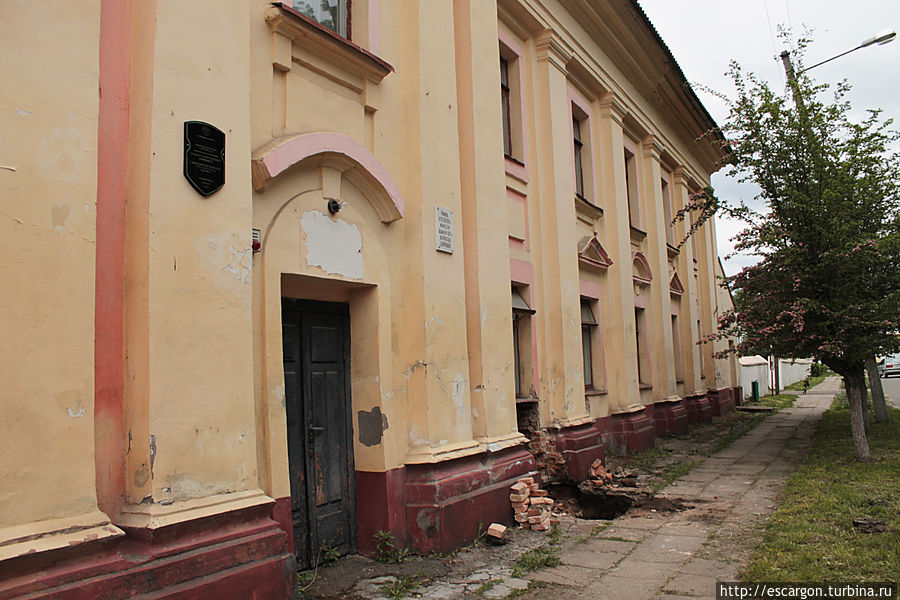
(705, 35)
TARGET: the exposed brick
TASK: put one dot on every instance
(518, 488)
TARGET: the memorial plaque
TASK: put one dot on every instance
(443, 224)
(204, 157)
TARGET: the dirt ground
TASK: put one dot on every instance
(477, 566)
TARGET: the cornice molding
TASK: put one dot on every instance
(549, 47)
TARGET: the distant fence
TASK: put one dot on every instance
(757, 368)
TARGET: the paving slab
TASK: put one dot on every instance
(691, 585)
(590, 558)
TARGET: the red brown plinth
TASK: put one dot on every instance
(737, 394)
(670, 417)
(438, 507)
(447, 502)
(580, 447)
(240, 554)
(699, 409)
(380, 506)
(633, 432)
(724, 403)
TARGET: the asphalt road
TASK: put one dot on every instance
(891, 387)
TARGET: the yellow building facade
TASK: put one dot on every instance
(291, 273)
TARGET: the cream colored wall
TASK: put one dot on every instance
(619, 116)
(444, 394)
(189, 396)
(48, 186)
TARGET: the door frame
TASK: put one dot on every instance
(339, 309)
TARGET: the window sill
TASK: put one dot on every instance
(587, 209)
(645, 386)
(515, 168)
(593, 392)
(526, 400)
(637, 235)
(325, 50)
(679, 380)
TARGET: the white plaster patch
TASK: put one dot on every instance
(76, 412)
(239, 263)
(62, 153)
(227, 252)
(335, 246)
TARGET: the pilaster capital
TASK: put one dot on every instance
(550, 48)
(611, 106)
(652, 147)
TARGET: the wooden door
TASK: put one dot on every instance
(316, 338)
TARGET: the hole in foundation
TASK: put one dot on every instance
(607, 503)
(589, 506)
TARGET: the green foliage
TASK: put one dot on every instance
(386, 549)
(328, 555)
(811, 537)
(817, 369)
(400, 587)
(536, 558)
(487, 586)
(828, 238)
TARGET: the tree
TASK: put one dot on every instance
(828, 281)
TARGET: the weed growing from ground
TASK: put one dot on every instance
(400, 587)
(487, 585)
(536, 558)
(386, 548)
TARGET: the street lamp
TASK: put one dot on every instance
(882, 38)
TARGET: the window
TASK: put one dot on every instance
(521, 343)
(588, 325)
(511, 103)
(579, 146)
(702, 351)
(332, 14)
(504, 98)
(641, 342)
(676, 348)
(667, 212)
(631, 189)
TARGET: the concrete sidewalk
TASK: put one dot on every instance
(672, 555)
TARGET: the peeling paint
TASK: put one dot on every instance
(229, 254)
(23, 113)
(334, 245)
(239, 264)
(372, 424)
(279, 395)
(77, 412)
(152, 452)
(141, 476)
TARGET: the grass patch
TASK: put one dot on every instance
(536, 558)
(810, 537)
(776, 401)
(648, 457)
(797, 386)
(487, 585)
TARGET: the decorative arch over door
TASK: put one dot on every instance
(336, 151)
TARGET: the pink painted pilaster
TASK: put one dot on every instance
(112, 162)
